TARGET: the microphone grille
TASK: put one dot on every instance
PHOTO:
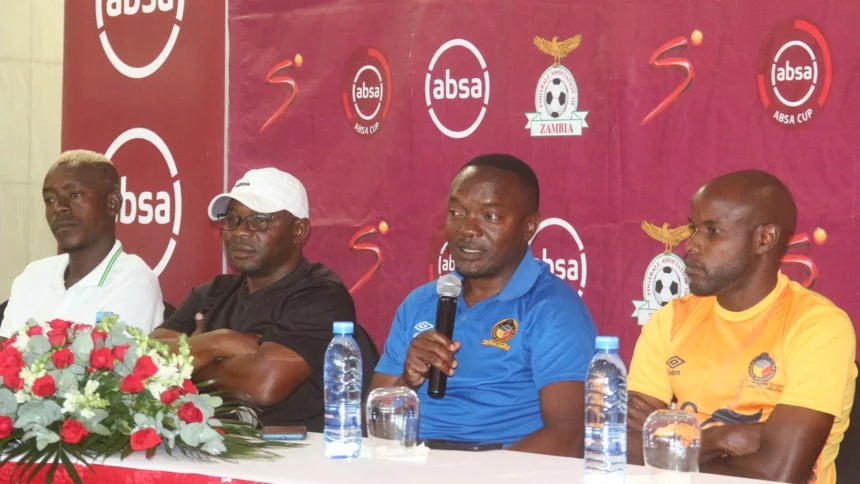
(449, 286)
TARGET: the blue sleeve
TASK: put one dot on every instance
(562, 345)
(391, 362)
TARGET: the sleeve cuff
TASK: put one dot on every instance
(547, 380)
(813, 404)
(388, 368)
(651, 392)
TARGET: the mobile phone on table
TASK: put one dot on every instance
(284, 432)
(459, 445)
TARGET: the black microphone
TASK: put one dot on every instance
(448, 288)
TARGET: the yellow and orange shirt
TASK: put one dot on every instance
(794, 347)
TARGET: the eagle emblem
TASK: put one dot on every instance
(669, 237)
(558, 50)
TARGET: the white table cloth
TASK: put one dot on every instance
(307, 465)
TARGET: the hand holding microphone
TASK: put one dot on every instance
(431, 353)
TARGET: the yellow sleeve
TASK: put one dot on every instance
(648, 368)
(819, 359)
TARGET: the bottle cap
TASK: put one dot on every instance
(343, 327)
(606, 343)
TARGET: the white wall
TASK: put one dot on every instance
(31, 80)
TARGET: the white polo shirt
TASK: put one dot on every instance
(122, 284)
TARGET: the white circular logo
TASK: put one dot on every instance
(115, 8)
(448, 87)
(787, 73)
(665, 279)
(149, 207)
(556, 93)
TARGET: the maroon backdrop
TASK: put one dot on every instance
(376, 106)
(340, 94)
(144, 82)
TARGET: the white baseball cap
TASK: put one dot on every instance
(266, 190)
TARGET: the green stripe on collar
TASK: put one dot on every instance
(110, 266)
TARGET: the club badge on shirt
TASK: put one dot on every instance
(503, 331)
(762, 368)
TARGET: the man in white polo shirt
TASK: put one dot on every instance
(93, 274)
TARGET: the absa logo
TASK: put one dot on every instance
(366, 91)
(557, 243)
(152, 196)
(134, 22)
(795, 73)
(458, 87)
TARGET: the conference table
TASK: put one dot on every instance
(306, 465)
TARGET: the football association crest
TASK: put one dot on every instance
(666, 276)
(556, 96)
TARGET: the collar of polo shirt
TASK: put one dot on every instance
(96, 277)
(521, 281)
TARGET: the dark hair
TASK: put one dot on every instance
(518, 167)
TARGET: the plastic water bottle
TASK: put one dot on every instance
(342, 432)
(606, 415)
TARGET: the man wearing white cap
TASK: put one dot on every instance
(262, 334)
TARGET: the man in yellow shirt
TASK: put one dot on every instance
(766, 365)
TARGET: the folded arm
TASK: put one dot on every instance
(791, 441)
(263, 378)
(639, 407)
(211, 346)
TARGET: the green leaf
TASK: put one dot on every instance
(190, 433)
(43, 437)
(70, 469)
(83, 346)
(41, 464)
(43, 412)
(98, 429)
(131, 355)
(53, 470)
(38, 344)
(141, 420)
(121, 370)
(78, 369)
(214, 447)
(8, 404)
(65, 379)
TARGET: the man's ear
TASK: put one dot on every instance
(114, 204)
(532, 223)
(767, 237)
(301, 231)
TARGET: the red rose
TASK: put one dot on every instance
(145, 367)
(188, 387)
(170, 395)
(132, 383)
(34, 330)
(189, 413)
(57, 338)
(44, 386)
(101, 359)
(81, 327)
(144, 439)
(73, 431)
(63, 358)
(219, 430)
(5, 426)
(60, 325)
(119, 351)
(12, 380)
(98, 335)
(10, 357)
